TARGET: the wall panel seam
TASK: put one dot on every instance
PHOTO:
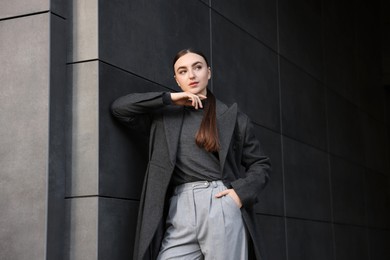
(24, 15)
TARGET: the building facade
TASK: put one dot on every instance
(309, 74)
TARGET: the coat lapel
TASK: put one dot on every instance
(172, 124)
(226, 121)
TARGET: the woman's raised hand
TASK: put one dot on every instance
(188, 99)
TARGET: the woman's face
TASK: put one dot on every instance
(192, 73)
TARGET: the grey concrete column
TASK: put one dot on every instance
(24, 133)
(32, 133)
(82, 181)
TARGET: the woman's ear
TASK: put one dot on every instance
(209, 73)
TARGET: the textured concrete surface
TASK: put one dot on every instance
(83, 179)
(20, 7)
(82, 236)
(59, 141)
(83, 37)
(24, 136)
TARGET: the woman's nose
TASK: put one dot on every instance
(191, 74)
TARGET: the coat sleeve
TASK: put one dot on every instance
(137, 109)
(257, 167)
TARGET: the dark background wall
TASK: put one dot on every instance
(310, 74)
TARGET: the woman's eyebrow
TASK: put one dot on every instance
(194, 64)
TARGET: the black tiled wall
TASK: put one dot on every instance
(306, 72)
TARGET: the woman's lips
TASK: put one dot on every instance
(193, 84)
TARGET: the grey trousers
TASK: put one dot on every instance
(200, 226)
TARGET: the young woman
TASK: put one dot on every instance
(196, 202)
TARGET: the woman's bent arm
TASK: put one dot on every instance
(135, 110)
(257, 168)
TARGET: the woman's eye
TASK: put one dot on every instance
(198, 67)
(182, 72)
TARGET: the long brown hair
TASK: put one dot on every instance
(207, 135)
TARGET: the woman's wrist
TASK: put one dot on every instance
(167, 99)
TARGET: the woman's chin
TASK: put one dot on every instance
(197, 91)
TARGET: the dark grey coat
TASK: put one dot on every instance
(147, 112)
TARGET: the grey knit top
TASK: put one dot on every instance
(194, 163)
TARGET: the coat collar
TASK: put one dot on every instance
(226, 119)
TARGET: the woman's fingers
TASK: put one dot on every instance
(202, 96)
(188, 99)
(196, 102)
(232, 193)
